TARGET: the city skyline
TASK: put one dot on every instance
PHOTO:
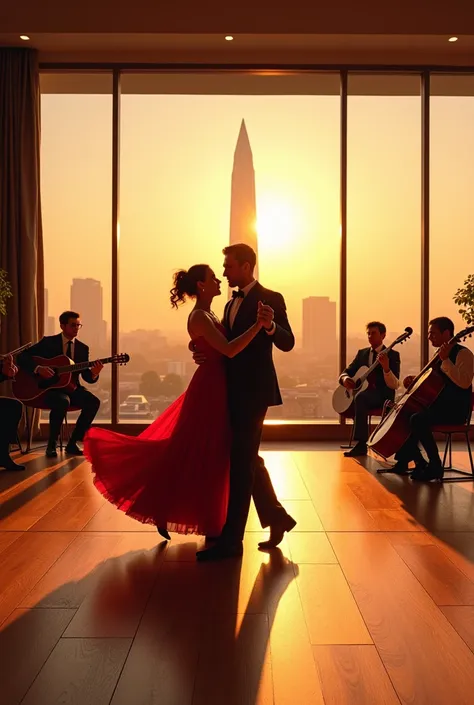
(176, 209)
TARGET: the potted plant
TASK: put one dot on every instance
(464, 297)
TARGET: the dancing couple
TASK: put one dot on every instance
(196, 467)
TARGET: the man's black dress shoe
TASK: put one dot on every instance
(357, 451)
(219, 552)
(51, 451)
(73, 449)
(277, 532)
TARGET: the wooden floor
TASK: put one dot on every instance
(369, 601)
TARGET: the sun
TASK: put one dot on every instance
(277, 223)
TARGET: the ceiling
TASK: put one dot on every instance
(322, 49)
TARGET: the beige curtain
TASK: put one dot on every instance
(21, 236)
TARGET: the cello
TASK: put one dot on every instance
(394, 428)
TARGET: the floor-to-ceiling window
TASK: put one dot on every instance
(76, 188)
(187, 141)
(183, 140)
(384, 210)
(452, 189)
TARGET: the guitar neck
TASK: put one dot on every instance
(79, 366)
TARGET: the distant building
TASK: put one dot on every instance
(243, 208)
(87, 299)
(319, 326)
(50, 323)
(177, 368)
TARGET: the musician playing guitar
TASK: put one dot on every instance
(58, 400)
(10, 415)
(452, 406)
(383, 382)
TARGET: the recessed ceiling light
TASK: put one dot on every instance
(229, 38)
(452, 39)
(25, 37)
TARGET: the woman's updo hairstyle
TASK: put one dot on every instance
(186, 283)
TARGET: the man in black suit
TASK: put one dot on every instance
(383, 382)
(252, 387)
(10, 415)
(58, 400)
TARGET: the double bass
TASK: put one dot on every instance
(394, 428)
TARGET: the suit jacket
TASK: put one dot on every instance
(362, 359)
(251, 375)
(50, 346)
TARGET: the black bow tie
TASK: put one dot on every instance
(238, 294)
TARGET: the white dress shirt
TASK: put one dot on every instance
(462, 371)
(237, 302)
(390, 380)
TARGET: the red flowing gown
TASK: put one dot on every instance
(176, 473)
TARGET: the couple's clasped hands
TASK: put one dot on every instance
(265, 315)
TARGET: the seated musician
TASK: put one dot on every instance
(10, 415)
(383, 382)
(452, 406)
(58, 400)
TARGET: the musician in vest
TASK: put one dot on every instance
(452, 406)
(10, 415)
(58, 400)
(383, 382)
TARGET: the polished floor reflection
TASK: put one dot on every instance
(369, 601)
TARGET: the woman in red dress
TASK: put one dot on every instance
(176, 473)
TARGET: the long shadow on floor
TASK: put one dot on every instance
(59, 469)
(181, 635)
(444, 510)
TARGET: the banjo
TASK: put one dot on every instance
(343, 398)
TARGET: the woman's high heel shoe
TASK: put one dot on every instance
(164, 533)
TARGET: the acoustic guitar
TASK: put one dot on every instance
(27, 387)
(343, 398)
(394, 429)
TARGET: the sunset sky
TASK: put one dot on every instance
(176, 165)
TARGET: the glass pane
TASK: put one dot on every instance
(76, 180)
(452, 186)
(179, 138)
(384, 197)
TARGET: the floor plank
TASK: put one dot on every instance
(78, 572)
(109, 518)
(310, 547)
(116, 604)
(331, 612)
(7, 538)
(72, 513)
(25, 562)
(23, 510)
(402, 620)
(26, 641)
(353, 675)
(459, 548)
(394, 520)
(438, 575)
(370, 493)
(234, 662)
(462, 619)
(161, 667)
(80, 672)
